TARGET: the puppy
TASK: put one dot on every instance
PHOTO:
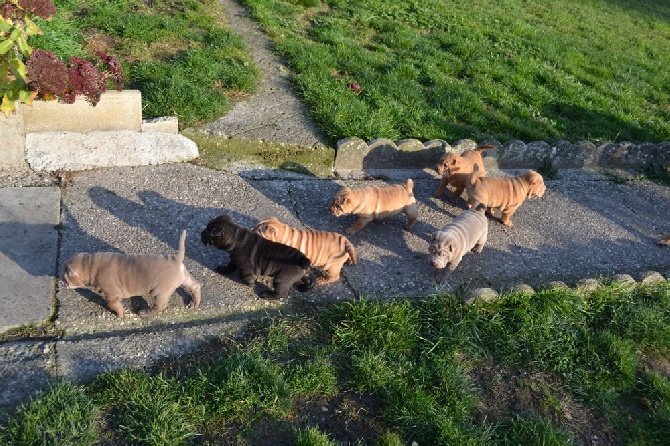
(376, 203)
(504, 193)
(456, 169)
(468, 231)
(325, 250)
(664, 241)
(118, 276)
(252, 254)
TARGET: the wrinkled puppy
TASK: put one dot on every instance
(325, 250)
(119, 276)
(504, 192)
(376, 203)
(252, 254)
(456, 169)
(468, 231)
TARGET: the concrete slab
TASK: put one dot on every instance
(53, 151)
(28, 248)
(26, 369)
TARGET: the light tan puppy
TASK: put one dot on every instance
(467, 232)
(456, 169)
(119, 276)
(376, 203)
(507, 194)
(325, 250)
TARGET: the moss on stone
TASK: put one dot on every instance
(218, 152)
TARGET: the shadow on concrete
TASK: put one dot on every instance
(29, 252)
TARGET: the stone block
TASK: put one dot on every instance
(117, 110)
(13, 147)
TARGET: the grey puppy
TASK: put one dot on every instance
(466, 232)
(119, 276)
(251, 254)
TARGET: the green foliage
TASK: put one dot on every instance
(313, 437)
(178, 53)
(486, 70)
(147, 410)
(14, 49)
(421, 369)
(534, 431)
(66, 415)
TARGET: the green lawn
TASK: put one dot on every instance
(557, 367)
(500, 69)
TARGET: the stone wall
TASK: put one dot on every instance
(381, 153)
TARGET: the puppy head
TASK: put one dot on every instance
(269, 228)
(447, 163)
(441, 250)
(343, 203)
(536, 186)
(73, 273)
(220, 232)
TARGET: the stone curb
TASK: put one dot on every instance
(356, 154)
(588, 284)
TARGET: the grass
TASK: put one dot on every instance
(503, 70)
(555, 368)
(178, 53)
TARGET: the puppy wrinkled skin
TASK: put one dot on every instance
(507, 194)
(468, 231)
(375, 203)
(325, 250)
(119, 276)
(456, 169)
(251, 254)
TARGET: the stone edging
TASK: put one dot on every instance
(591, 284)
(381, 153)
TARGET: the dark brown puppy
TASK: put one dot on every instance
(251, 254)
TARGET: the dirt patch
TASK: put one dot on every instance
(507, 392)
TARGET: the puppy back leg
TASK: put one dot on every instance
(331, 271)
(480, 243)
(193, 287)
(161, 298)
(412, 213)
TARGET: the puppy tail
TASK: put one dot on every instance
(181, 252)
(307, 282)
(486, 147)
(349, 248)
(474, 176)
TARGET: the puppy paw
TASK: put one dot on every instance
(224, 270)
(351, 231)
(270, 295)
